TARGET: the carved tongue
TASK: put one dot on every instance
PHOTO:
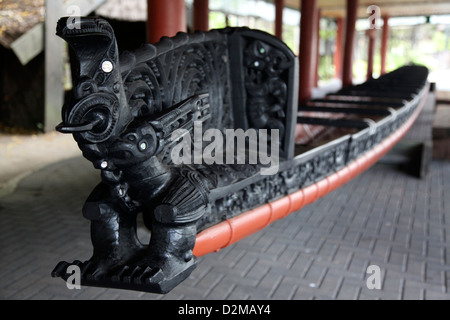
(63, 128)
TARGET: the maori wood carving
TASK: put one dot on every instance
(126, 112)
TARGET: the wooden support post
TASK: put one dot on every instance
(279, 7)
(165, 18)
(338, 49)
(384, 44)
(352, 11)
(316, 73)
(371, 34)
(307, 49)
(54, 64)
(201, 15)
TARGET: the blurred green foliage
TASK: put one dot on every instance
(426, 44)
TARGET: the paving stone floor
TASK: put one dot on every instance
(384, 217)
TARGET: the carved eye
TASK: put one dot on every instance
(131, 137)
(261, 50)
(107, 66)
(147, 144)
(143, 145)
(86, 87)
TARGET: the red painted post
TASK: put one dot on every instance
(384, 44)
(347, 72)
(316, 73)
(279, 7)
(307, 49)
(165, 18)
(201, 15)
(371, 34)
(338, 49)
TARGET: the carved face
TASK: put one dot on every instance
(136, 145)
(97, 111)
(264, 62)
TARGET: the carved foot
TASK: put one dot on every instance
(168, 272)
(158, 268)
(140, 276)
(161, 277)
(169, 260)
(102, 267)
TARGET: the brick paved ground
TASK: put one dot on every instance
(384, 217)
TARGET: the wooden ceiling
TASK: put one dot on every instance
(393, 8)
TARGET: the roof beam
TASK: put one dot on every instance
(397, 8)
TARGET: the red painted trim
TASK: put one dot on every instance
(232, 230)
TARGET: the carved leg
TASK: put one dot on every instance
(170, 255)
(169, 259)
(113, 232)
